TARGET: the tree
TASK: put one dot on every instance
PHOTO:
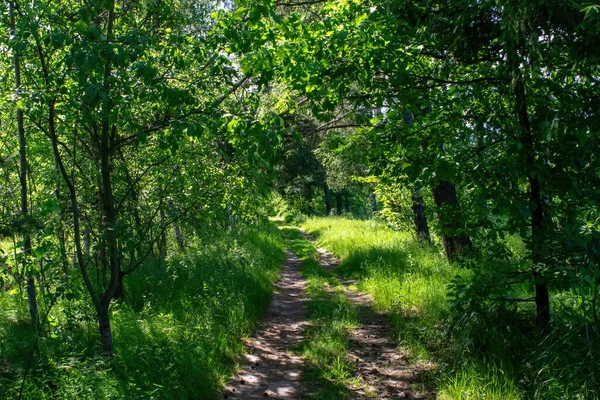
(27, 265)
(504, 96)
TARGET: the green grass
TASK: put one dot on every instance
(494, 353)
(332, 318)
(176, 336)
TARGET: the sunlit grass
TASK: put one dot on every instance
(407, 281)
(410, 283)
(177, 335)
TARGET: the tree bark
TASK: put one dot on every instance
(339, 202)
(104, 327)
(542, 297)
(87, 241)
(109, 214)
(328, 205)
(418, 205)
(448, 207)
(31, 295)
(373, 202)
(419, 217)
(179, 236)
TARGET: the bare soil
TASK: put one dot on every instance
(271, 370)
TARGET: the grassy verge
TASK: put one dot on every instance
(491, 354)
(176, 335)
(332, 317)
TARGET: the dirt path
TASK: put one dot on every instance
(271, 370)
(380, 364)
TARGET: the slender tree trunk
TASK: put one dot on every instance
(418, 205)
(179, 236)
(74, 208)
(328, 205)
(448, 207)
(87, 241)
(348, 201)
(120, 290)
(373, 202)
(104, 327)
(542, 297)
(419, 217)
(31, 295)
(62, 241)
(339, 203)
(138, 230)
(109, 215)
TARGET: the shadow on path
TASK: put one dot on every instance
(271, 370)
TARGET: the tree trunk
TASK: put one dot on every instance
(419, 217)
(542, 297)
(138, 230)
(348, 202)
(328, 205)
(109, 213)
(448, 207)
(339, 202)
(179, 235)
(33, 307)
(120, 290)
(418, 206)
(373, 202)
(104, 328)
(62, 241)
(87, 241)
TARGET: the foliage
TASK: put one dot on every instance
(129, 126)
(499, 101)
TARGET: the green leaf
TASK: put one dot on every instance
(237, 14)
(341, 34)
(80, 26)
(231, 125)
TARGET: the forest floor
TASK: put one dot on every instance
(274, 367)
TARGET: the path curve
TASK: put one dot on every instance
(379, 363)
(271, 370)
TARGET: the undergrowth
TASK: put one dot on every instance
(176, 334)
(494, 353)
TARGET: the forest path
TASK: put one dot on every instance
(272, 370)
(380, 365)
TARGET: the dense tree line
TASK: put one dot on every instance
(493, 108)
(122, 120)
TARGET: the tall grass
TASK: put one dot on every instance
(176, 336)
(494, 353)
